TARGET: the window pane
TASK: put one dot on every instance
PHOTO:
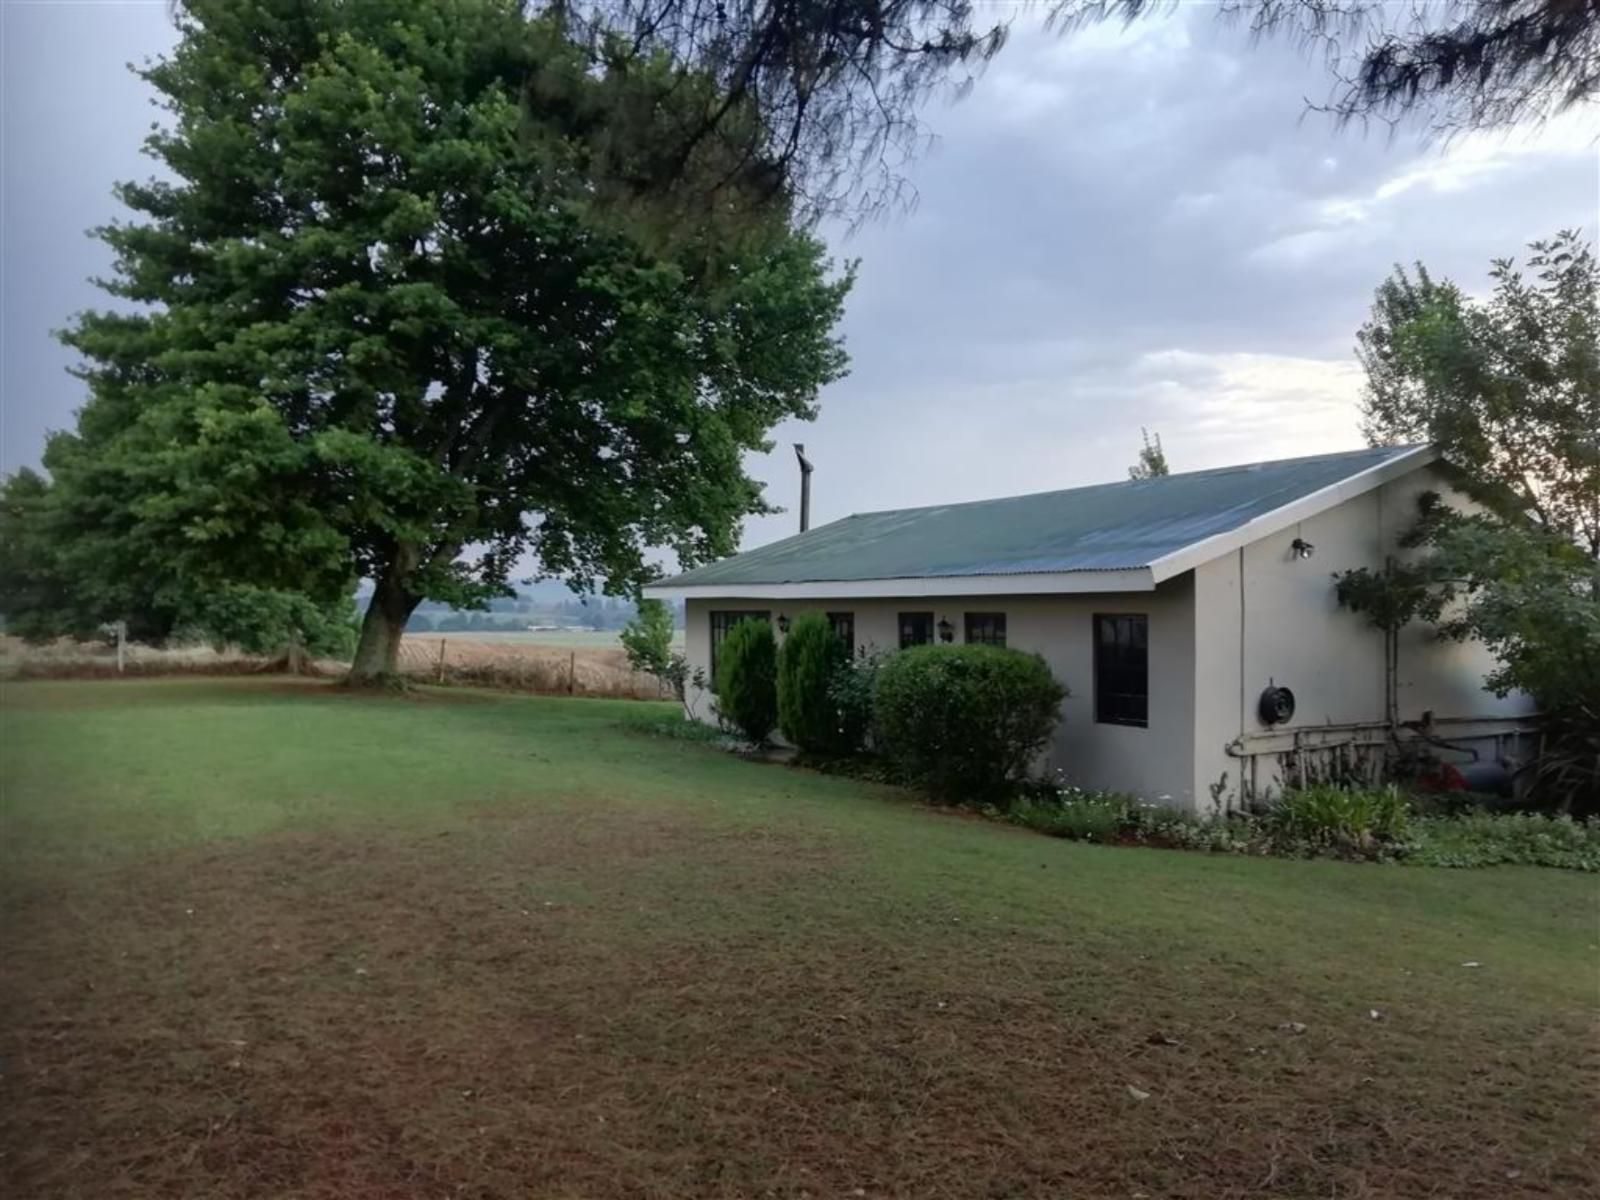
(844, 626)
(916, 629)
(1122, 669)
(723, 620)
(986, 629)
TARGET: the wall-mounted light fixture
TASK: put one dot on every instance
(947, 631)
(1301, 548)
(783, 623)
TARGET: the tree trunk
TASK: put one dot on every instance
(377, 660)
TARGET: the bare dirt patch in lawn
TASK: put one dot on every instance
(553, 1006)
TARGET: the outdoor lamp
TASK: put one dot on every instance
(1302, 548)
(783, 623)
(947, 631)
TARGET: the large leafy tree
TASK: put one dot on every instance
(169, 508)
(398, 322)
(34, 595)
(1509, 389)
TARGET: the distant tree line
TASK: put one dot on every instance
(504, 613)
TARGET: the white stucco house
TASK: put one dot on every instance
(1176, 610)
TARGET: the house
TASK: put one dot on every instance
(1192, 617)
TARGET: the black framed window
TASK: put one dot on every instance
(844, 626)
(1122, 669)
(722, 620)
(986, 629)
(916, 629)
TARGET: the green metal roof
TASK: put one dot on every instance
(1107, 527)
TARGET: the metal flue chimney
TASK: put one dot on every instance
(805, 486)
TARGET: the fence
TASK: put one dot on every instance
(551, 670)
(67, 659)
(545, 669)
(1368, 752)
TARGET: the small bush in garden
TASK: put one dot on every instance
(852, 690)
(1090, 816)
(747, 680)
(647, 639)
(1486, 839)
(681, 728)
(965, 722)
(811, 656)
(1325, 814)
(1172, 828)
(1073, 813)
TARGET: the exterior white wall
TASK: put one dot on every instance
(1292, 632)
(1220, 699)
(1442, 677)
(1154, 761)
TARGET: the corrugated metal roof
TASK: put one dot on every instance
(1107, 527)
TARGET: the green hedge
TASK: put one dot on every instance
(965, 722)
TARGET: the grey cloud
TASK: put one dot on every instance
(1115, 229)
(72, 119)
(1096, 205)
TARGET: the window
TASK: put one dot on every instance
(1122, 669)
(844, 625)
(916, 629)
(986, 629)
(721, 622)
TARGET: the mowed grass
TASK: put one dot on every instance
(274, 940)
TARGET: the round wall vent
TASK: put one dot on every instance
(1277, 705)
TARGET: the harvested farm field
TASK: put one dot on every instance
(592, 667)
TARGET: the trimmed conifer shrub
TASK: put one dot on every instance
(747, 680)
(811, 658)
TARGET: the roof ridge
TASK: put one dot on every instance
(1404, 448)
(1073, 539)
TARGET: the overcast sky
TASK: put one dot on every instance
(1115, 229)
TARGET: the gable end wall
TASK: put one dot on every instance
(1292, 632)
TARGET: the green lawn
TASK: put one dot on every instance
(274, 940)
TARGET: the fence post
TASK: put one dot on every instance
(572, 674)
(122, 637)
(442, 643)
